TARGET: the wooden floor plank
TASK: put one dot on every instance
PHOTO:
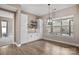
(40, 47)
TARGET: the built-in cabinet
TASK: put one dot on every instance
(25, 35)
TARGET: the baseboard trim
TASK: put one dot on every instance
(30, 42)
(22, 43)
(18, 45)
(68, 43)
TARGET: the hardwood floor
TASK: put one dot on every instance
(40, 47)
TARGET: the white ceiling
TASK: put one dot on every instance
(42, 9)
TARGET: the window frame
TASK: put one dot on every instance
(4, 20)
(5, 27)
(69, 25)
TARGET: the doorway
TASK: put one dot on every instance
(6, 31)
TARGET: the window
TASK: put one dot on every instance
(65, 27)
(49, 26)
(60, 26)
(4, 28)
(56, 27)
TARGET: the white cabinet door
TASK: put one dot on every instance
(24, 34)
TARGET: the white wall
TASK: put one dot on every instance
(25, 35)
(10, 19)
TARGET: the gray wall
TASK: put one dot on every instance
(65, 39)
(10, 18)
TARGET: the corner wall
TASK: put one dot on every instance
(64, 39)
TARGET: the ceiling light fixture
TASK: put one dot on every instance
(51, 13)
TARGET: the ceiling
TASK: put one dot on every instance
(42, 9)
